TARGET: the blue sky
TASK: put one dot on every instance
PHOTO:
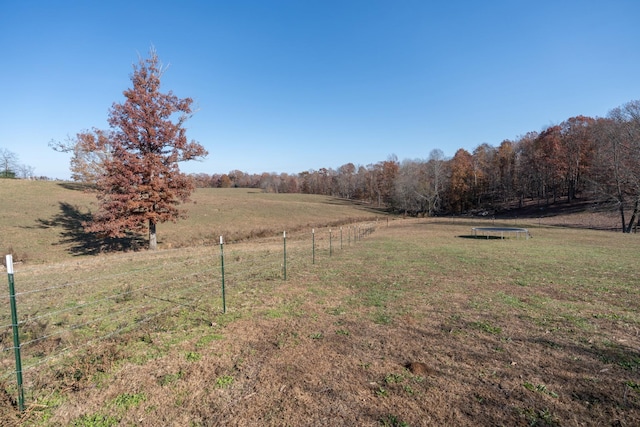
(288, 86)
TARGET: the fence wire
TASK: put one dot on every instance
(91, 304)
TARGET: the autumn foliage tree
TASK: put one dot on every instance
(461, 183)
(577, 149)
(140, 184)
(504, 171)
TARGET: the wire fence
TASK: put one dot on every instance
(53, 312)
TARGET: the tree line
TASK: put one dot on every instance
(581, 158)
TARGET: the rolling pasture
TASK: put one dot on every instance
(415, 324)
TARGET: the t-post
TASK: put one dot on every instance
(313, 246)
(330, 248)
(284, 265)
(16, 335)
(224, 302)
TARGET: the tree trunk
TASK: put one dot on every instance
(634, 214)
(153, 240)
(621, 210)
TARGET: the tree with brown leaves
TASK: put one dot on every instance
(461, 181)
(141, 184)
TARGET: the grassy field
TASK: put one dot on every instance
(416, 324)
(42, 221)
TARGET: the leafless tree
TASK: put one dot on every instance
(8, 163)
(617, 172)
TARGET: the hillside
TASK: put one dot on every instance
(41, 221)
(580, 213)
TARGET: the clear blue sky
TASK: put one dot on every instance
(288, 86)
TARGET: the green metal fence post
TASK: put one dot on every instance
(224, 302)
(284, 238)
(313, 245)
(330, 248)
(16, 336)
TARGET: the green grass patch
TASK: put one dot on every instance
(224, 381)
(207, 339)
(539, 388)
(126, 401)
(169, 379)
(486, 327)
(96, 420)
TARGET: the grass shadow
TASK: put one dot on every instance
(487, 237)
(81, 242)
(76, 186)
(358, 205)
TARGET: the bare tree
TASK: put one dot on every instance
(25, 171)
(90, 150)
(409, 182)
(617, 170)
(526, 174)
(8, 163)
(483, 157)
(346, 180)
(436, 179)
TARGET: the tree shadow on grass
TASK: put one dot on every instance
(478, 237)
(71, 219)
(76, 186)
(367, 207)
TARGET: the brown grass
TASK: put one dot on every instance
(42, 221)
(417, 324)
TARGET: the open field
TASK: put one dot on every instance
(42, 221)
(417, 324)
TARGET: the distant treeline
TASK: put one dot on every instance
(582, 157)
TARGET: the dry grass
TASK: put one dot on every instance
(417, 324)
(241, 214)
(42, 221)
